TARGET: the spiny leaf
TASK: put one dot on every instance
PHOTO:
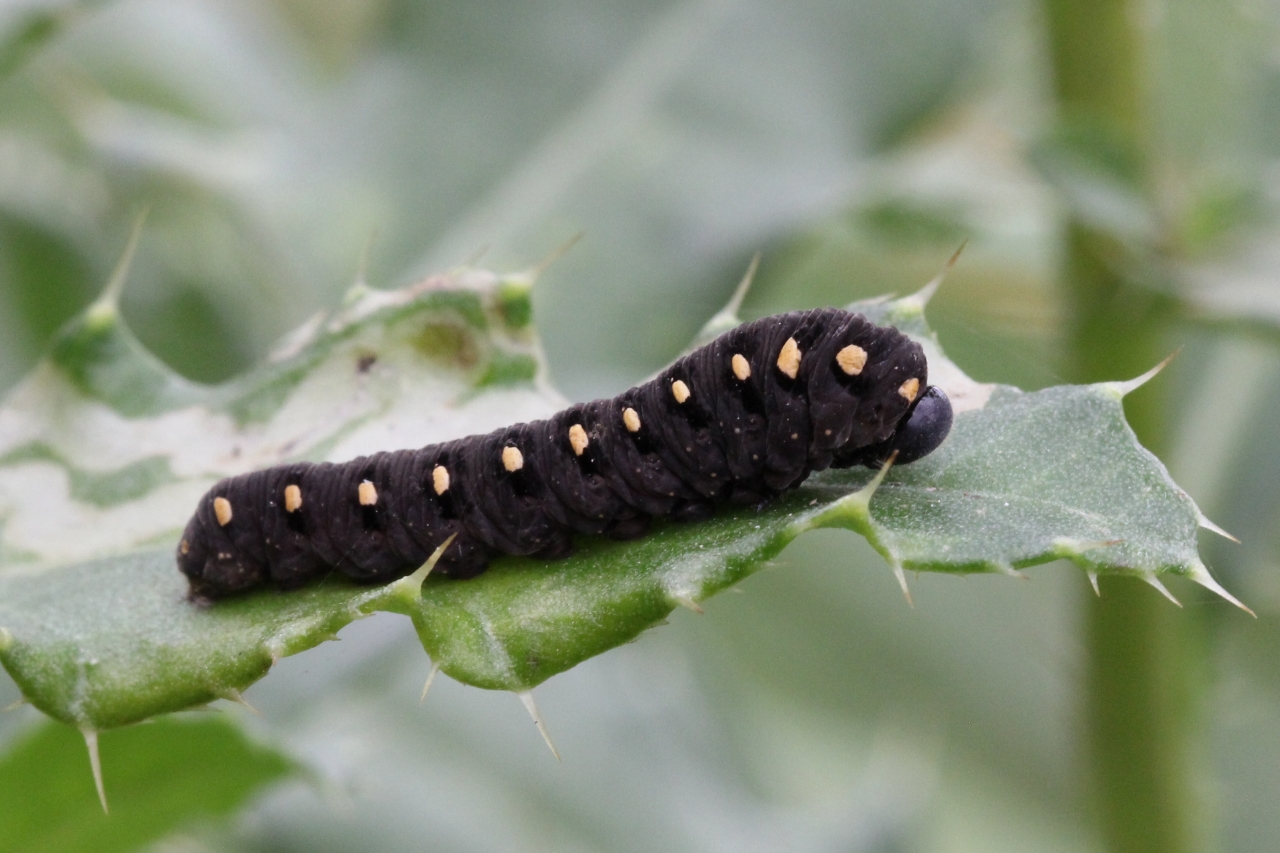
(104, 440)
(1023, 479)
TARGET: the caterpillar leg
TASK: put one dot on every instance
(628, 528)
(557, 549)
(694, 511)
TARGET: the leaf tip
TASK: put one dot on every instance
(727, 317)
(6, 639)
(1009, 571)
(95, 765)
(861, 499)
(536, 271)
(1200, 574)
(527, 698)
(362, 265)
(1093, 582)
(902, 582)
(1069, 547)
(734, 305)
(431, 676)
(276, 649)
(1203, 521)
(106, 306)
(231, 694)
(1154, 581)
(1123, 389)
(409, 587)
(356, 292)
(687, 601)
(922, 296)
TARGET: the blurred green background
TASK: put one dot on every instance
(855, 145)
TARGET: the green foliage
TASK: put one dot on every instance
(162, 776)
(273, 140)
(1023, 479)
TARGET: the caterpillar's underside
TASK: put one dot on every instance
(740, 420)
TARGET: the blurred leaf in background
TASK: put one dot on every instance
(164, 774)
(854, 144)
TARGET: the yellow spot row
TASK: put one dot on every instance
(852, 359)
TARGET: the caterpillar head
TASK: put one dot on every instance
(924, 428)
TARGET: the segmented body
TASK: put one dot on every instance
(739, 420)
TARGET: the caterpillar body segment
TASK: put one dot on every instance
(740, 420)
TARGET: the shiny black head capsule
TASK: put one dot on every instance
(924, 429)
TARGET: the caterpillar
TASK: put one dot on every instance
(740, 420)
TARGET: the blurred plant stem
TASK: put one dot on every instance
(1144, 655)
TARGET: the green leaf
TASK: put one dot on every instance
(1023, 479)
(161, 775)
(104, 440)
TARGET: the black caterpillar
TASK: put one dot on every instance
(740, 420)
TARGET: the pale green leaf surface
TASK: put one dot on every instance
(104, 440)
(1023, 479)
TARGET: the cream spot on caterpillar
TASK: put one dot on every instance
(631, 419)
(222, 511)
(578, 439)
(852, 359)
(789, 358)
